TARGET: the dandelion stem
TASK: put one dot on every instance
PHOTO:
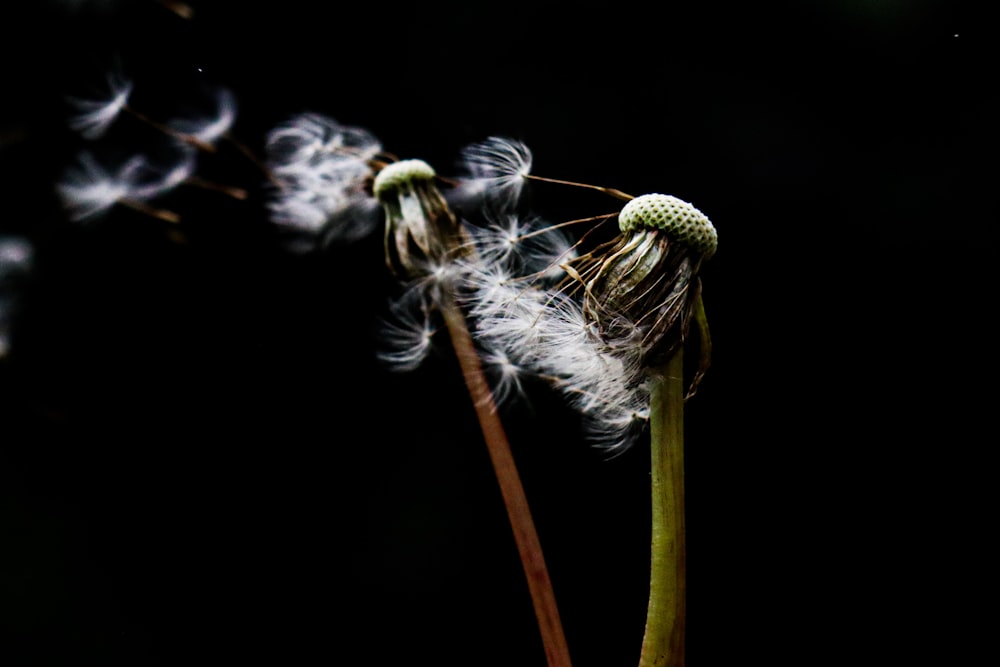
(618, 194)
(528, 545)
(169, 131)
(231, 191)
(158, 213)
(663, 642)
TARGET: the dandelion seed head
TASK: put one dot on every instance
(401, 174)
(423, 237)
(679, 219)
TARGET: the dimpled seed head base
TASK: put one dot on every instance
(679, 219)
(396, 174)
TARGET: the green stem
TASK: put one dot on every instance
(529, 547)
(663, 642)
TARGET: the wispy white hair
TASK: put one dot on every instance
(209, 128)
(492, 171)
(406, 331)
(324, 168)
(95, 115)
(89, 189)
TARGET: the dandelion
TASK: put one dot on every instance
(651, 277)
(612, 337)
(429, 248)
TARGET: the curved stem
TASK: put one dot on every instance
(663, 642)
(528, 545)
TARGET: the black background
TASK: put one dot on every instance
(200, 458)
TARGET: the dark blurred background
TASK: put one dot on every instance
(200, 457)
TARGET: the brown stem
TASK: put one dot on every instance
(231, 191)
(152, 211)
(618, 194)
(166, 129)
(528, 545)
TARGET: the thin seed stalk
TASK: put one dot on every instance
(525, 536)
(663, 642)
(421, 232)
